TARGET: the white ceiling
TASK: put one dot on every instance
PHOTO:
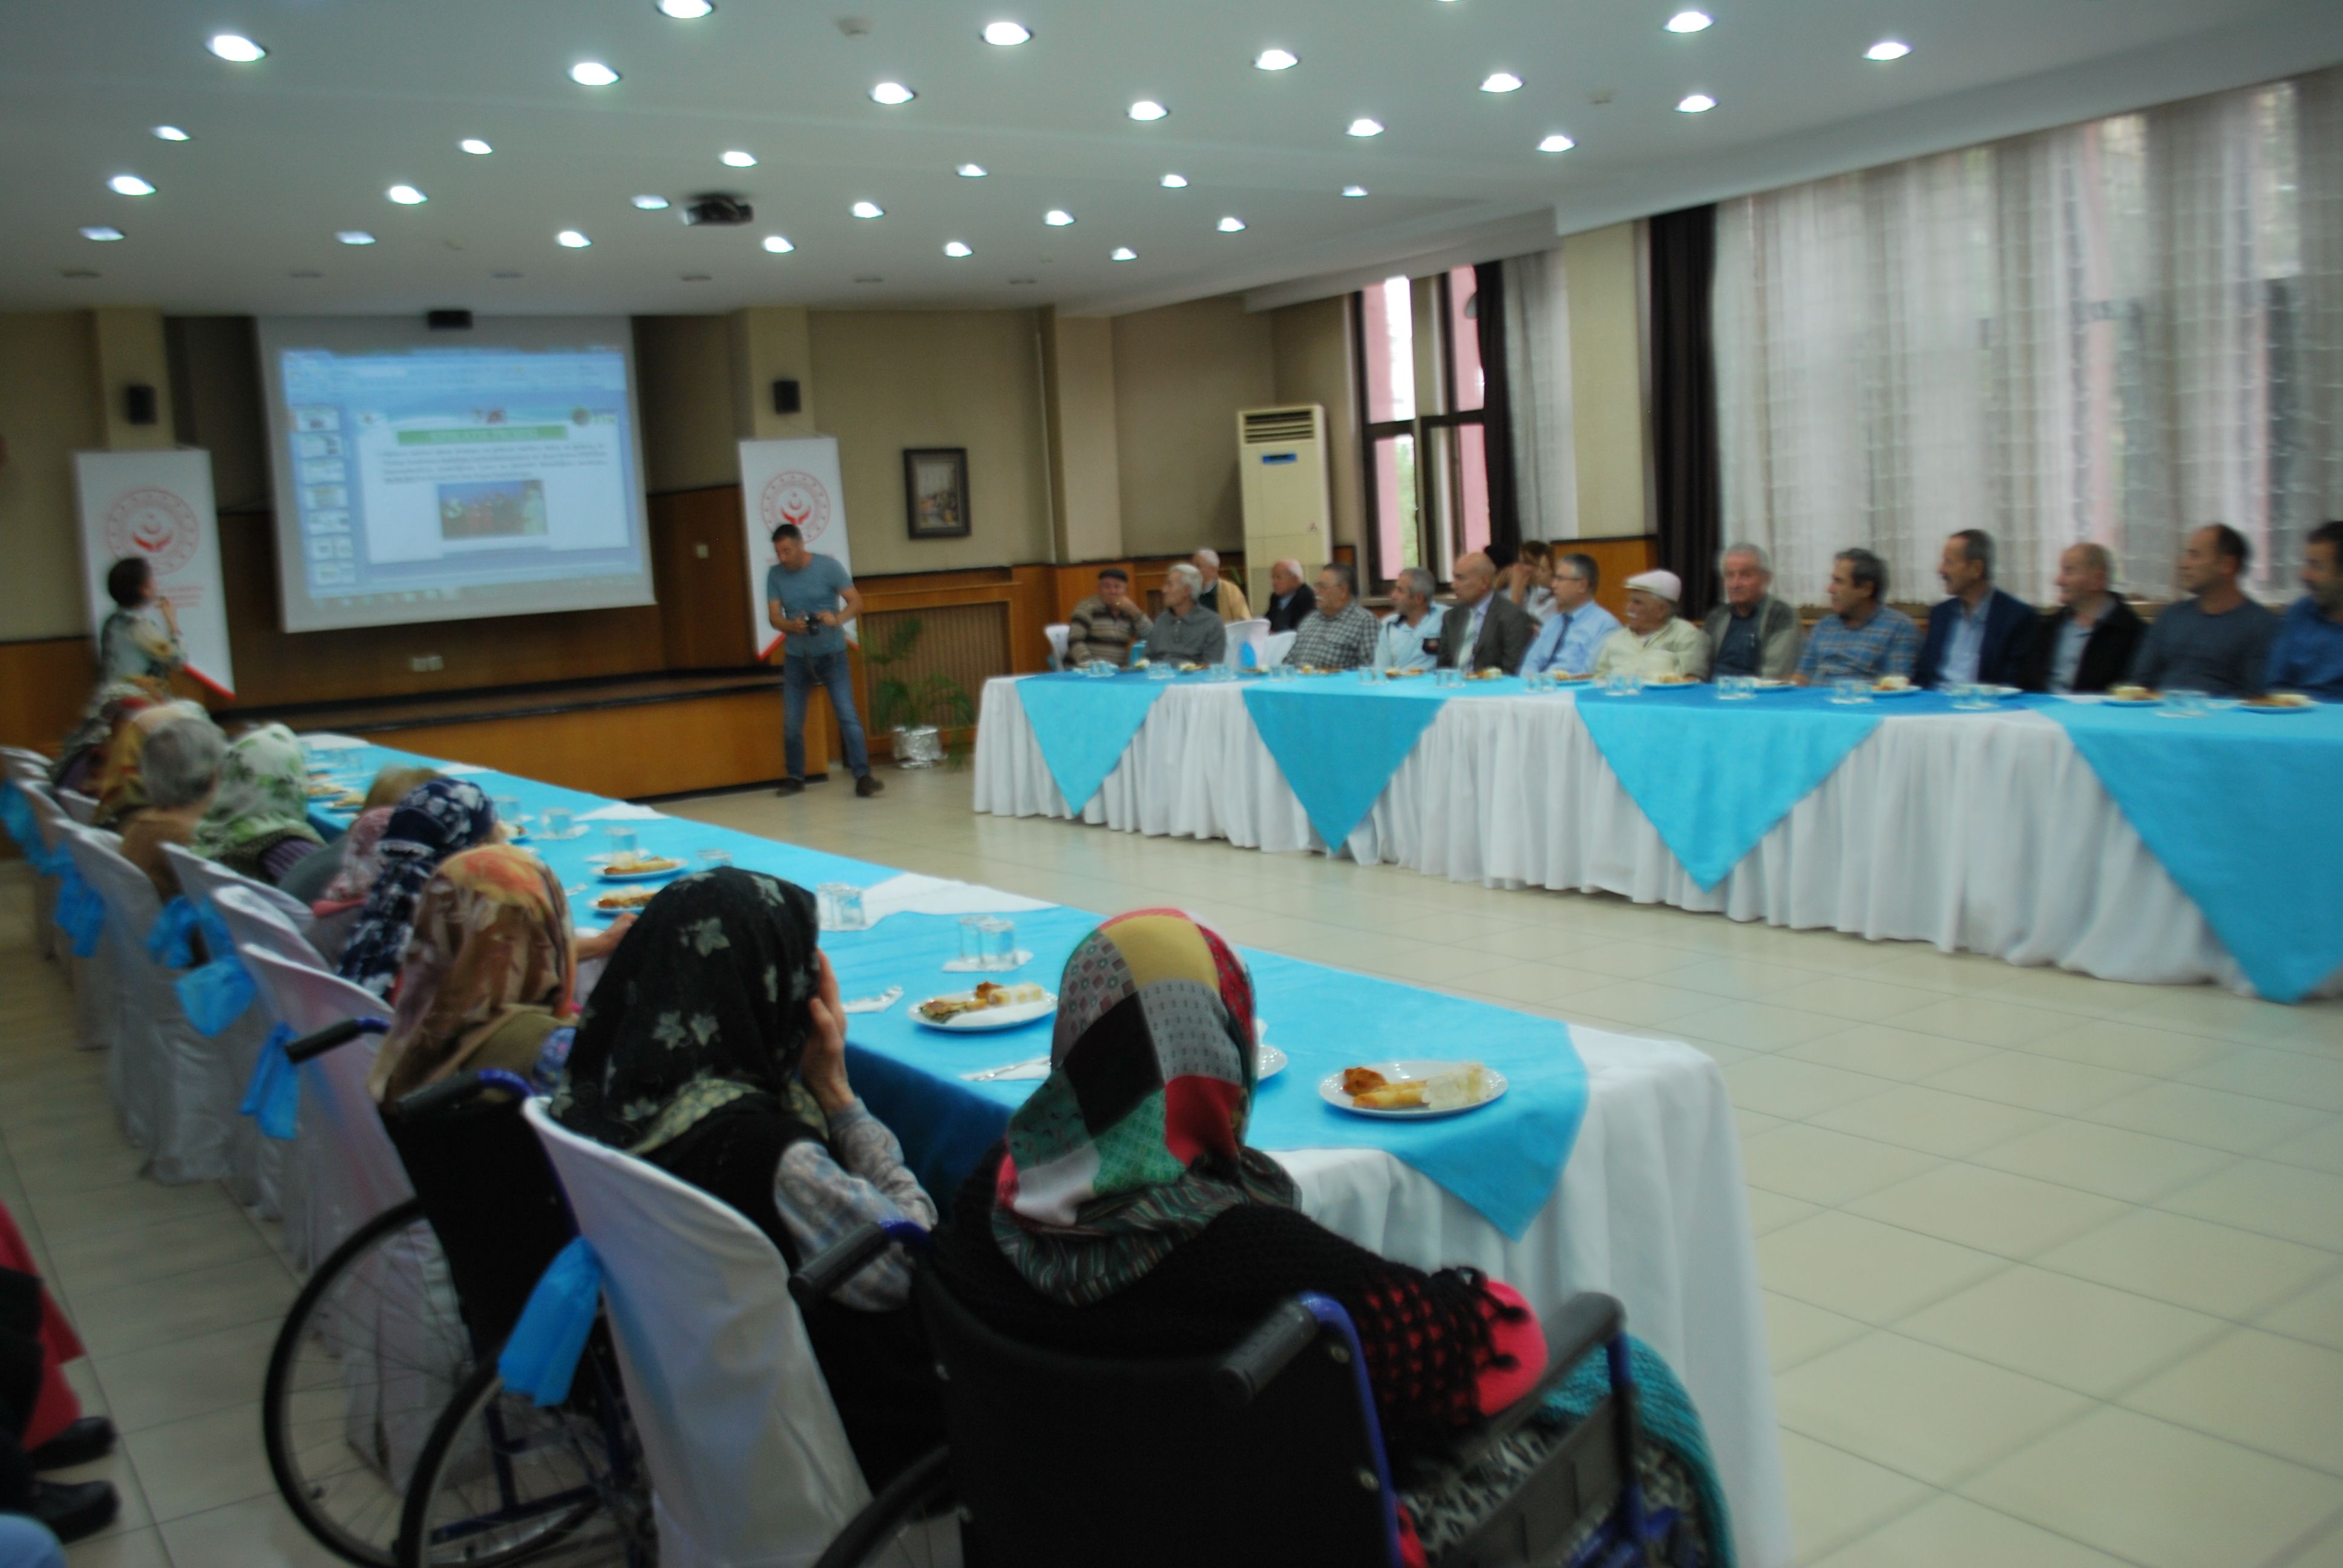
(354, 96)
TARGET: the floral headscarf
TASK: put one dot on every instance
(1136, 1141)
(263, 800)
(435, 821)
(113, 701)
(703, 1006)
(491, 934)
(361, 861)
(121, 781)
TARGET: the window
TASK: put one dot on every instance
(1424, 396)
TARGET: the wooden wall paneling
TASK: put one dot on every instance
(1617, 559)
(649, 749)
(45, 684)
(700, 569)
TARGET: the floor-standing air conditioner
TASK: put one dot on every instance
(1282, 472)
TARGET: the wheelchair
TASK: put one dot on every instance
(1271, 1454)
(388, 1430)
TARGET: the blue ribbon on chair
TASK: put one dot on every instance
(540, 1355)
(215, 995)
(81, 912)
(274, 1096)
(171, 941)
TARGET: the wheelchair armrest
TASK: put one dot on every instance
(1574, 1331)
(332, 1035)
(843, 1260)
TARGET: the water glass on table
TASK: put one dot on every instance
(620, 841)
(841, 906)
(1162, 670)
(999, 939)
(557, 823)
(1735, 688)
(714, 860)
(1624, 683)
(971, 941)
(1851, 689)
(2184, 704)
(1973, 697)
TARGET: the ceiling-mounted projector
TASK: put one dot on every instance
(715, 207)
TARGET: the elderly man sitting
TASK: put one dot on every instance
(1568, 643)
(1752, 632)
(1104, 626)
(1186, 632)
(1339, 634)
(1289, 598)
(1483, 629)
(1411, 638)
(1220, 595)
(1655, 643)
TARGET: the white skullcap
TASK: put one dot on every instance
(1665, 585)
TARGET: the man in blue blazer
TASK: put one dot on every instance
(1980, 634)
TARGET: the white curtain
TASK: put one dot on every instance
(1537, 379)
(2115, 331)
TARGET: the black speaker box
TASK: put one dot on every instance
(139, 403)
(785, 398)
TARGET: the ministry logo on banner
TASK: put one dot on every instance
(157, 507)
(794, 482)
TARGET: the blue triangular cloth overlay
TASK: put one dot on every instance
(1339, 745)
(2239, 807)
(1084, 724)
(1715, 780)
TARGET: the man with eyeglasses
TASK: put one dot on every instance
(1567, 644)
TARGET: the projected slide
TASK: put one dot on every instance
(421, 479)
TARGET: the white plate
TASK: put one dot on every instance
(1329, 1088)
(677, 870)
(2004, 691)
(990, 1018)
(1268, 1061)
(2257, 707)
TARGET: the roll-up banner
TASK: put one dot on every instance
(157, 505)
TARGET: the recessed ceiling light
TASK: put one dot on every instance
(235, 49)
(1556, 143)
(779, 244)
(1696, 104)
(1057, 217)
(970, 171)
(1231, 225)
(1885, 50)
(651, 203)
(892, 94)
(1364, 127)
(956, 249)
(129, 185)
(1354, 190)
(170, 134)
(869, 209)
(1276, 60)
(405, 196)
(685, 10)
(737, 160)
(353, 236)
(592, 74)
(1173, 182)
(1006, 33)
(101, 231)
(569, 238)
(1501, 82)
(1122, 253)
(1689, 22)
(476, 148)
(1147, 109)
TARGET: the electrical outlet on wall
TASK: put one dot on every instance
(422, 662)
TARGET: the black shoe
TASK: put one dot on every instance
(89, 1438)
(867, 786)
(790, 787)
(74, 1509)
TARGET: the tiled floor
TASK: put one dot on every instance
(2054, 1267)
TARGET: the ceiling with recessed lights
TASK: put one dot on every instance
(536, 156)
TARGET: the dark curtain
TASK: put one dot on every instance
(1685, 461)
(1497, 404)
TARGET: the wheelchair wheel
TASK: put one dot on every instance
(502, 1481)
(370, 1355)
(911, 1525)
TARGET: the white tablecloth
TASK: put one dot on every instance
(1989, 833)
(1651, 1209)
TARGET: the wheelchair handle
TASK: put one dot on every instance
(826, 1271)
(1254, 1364)
(450, 1092)
(332, 1035)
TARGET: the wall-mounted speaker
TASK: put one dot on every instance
(449, 320)
(139, 403)
(785, 398)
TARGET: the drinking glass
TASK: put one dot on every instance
(971, 941)
(2185, 704)
(1733, 688)
(1851, 688)
(1446, 676)
(557, 823)
(1626, 683)
(1000, 942)
(1370, 676)
(841, 904)
(1162, 670)
(714, 860)
(1973, 697)
(507, 808)
(619, 840)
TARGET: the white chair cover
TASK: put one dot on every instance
(97, 988)
(1057, 636)
(45, 818)
(1253, 634)
(202, 881)
(17, 757)
(255, 918)
(168, 1083)
(749, 1461)
(1274, 649)
(81, 808)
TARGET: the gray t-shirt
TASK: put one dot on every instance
(810, 591)
(2187, 650)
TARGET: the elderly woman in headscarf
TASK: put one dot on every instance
(83, 751)
(121, 783)
(258, 824)
(340, 879)
(179, 768)
(714, 1047)
(436, 820)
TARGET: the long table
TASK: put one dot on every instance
(1985, 832)
(1650, 1207)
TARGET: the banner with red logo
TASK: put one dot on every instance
(157, 505)
(789, 482)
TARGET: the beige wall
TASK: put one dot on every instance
(49, 409)
(683, 386)
(885, 380)
(1085, 465)
(1606, 381)
(1311, 346)
(1181, 374)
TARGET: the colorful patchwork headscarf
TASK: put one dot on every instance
(1136, 1140)
(435, 821)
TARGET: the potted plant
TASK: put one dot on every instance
(914, 710)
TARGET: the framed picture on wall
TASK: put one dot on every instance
(935, 491)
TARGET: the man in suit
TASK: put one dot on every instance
(1289, 598)
(1483, 629)
(1980, 633)
(2086, 644)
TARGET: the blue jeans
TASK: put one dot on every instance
(799, 675)
(26, 1543)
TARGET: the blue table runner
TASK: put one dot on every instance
(1083, 724)
(1338, 740)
